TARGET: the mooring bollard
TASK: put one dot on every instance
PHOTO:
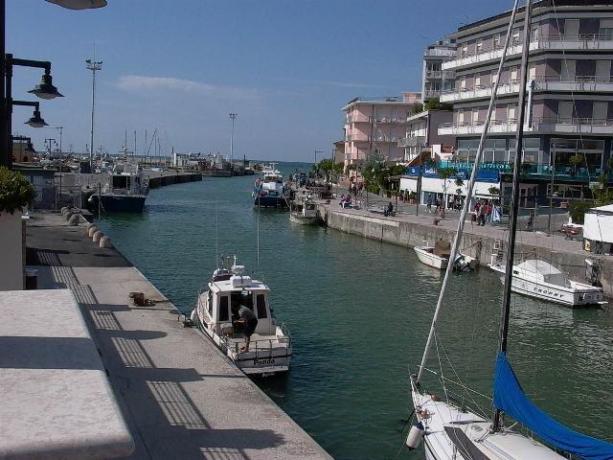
(105, 242)
(97, 236)
(74, 220)
(88, 228)
(91, 230)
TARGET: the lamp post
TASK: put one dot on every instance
(6, 142)
(94, 66)
(233, 117)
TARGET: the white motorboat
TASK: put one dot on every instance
(304, 211)
(270, 191)
(436, 258)
(541, 280)
(270, 347)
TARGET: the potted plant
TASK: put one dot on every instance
(15, 193)
(575, 161)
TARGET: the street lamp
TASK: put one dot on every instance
(233, 117)
(35, 121)
(94, 66)
(44, 90)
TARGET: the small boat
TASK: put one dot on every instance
(270, 191)
(125, 191)
(270, 346)
(437, 256)
(541, 280)
(304, 212)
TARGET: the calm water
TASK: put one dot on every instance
(359, 312)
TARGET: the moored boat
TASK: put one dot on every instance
(270, 191)
(266, 349)
(437, 256)
(125, 191)
(304, 212)
(541, 280)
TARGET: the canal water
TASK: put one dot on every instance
(359, 313)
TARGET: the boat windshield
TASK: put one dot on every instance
(239, 298)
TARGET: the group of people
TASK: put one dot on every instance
(345, 201)
(486, 212)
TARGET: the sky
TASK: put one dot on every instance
(286, 67)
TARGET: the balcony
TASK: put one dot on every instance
(561, 172)
(357, 119)
(580, 84)
(568, 43)
(413, 141)
(440, 74)
(357, 138)
(478, 92)
(541, 126)
(391, 120)
(440, 52)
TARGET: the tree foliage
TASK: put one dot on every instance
(15, 191)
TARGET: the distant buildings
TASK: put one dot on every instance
(375, 127)
(435, 80)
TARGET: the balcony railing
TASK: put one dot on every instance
(440, 52)
(414, 141)
(539, 125)
(581, 83)
(567, 43)
(446, 74)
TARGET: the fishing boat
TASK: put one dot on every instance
(303, 211)
(125, 190)
(541, 280)
(451, 430)
(269, 190)
(437, 256)
(269, 348)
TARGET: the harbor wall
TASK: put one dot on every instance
(170, 179)
(410, 234)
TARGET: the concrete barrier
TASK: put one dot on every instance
(105, 242)
(97, 235)
(91, 230)
(74, 219)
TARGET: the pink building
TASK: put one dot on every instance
(374, 127)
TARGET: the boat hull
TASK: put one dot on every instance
(119, 203)
(268, 201)
(257, 361)
(551, 293)
(303, 220)
(427, 258)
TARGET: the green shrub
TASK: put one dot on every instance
(15, 191)
(577, 210)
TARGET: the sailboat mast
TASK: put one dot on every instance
(508, 275)
(469, 194)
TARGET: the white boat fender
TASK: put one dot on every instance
(415, 436)
(193, 316)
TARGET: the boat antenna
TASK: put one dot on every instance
(469, 193)
(508, 275)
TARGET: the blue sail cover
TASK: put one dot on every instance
(510, 398)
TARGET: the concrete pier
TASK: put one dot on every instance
(181, 397)
(478, 241)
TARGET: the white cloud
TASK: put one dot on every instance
(171, 84)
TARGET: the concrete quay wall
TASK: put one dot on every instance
(170, 179)
(566, 255)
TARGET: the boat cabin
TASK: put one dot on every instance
(227, 292)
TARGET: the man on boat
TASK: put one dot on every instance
(246, 322)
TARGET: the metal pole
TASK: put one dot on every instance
(94, 66)
(5, 159)
(508, 276)
(553, 172)
(233, 118)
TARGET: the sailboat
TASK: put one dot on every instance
(450, 431)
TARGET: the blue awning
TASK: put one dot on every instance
(510, 398)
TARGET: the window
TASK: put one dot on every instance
(475, 116)
(261, 305)
(497, 41)
(479, 46)
(477, 81)
(210, 304)
(514, 72)
(224, 313)
(515, 37)
(511, 117)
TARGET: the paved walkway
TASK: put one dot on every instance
(554, 242)
(179, 394)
